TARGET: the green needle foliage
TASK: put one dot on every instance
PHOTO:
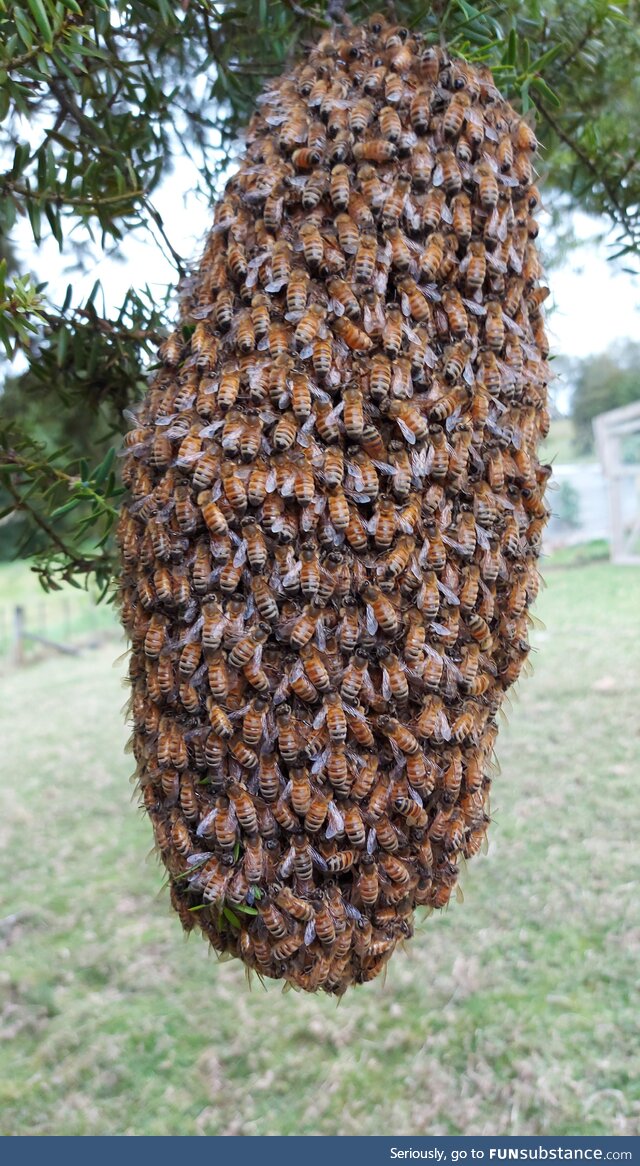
(101, 99)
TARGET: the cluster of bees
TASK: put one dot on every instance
(335, 509)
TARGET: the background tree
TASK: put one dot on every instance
(602, 382)
(99, 99)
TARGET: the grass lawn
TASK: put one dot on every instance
(512, 1013)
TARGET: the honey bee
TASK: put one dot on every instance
(348, 233)
(354, 676)
(447, 173)
(342, 861)
(376, 150)
(297, 293)
(455, 312)
(269, 777)
(305, 625)
(494, 326)
(394, 203)
(487, 183)
(365, 259)
(273, 210)
(313, 190)
(395, 869)
(307, 157)
(156, 636)
(524, 137)
(353, 337)
(382, 610)
(246, 648)
(414, 301)
(312, 244)
(455, 114)
(413, 426)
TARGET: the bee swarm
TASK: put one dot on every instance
(335, 510)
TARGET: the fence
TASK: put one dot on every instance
(579, 504)
(60, 623)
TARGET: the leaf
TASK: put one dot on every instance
(542, 87)
(511, 51)
(103, 469)
(39, 13)
(60, 510)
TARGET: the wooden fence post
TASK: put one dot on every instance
(18, 636)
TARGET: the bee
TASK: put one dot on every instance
(398, 733)
(365, 259)
(246, 648)
(455, 312)
(342, 861)
(269, 777)
(339, 191)
(309, 325)
(394, 203)
(348, 233)
(494, 326)
(315, 668)
(382, 609)
(253, 859)
(474, 266)
(395, 869)
(389, 123)
(156, 636)
(304, 627)
(487, 184)
(354, 676)
(353, 337)
(312, 244)
(413, 426)
(297, 293)
(455, 114)
(414, 302)
(395, 684)
(376, 150)
(431, 258)
(338, 508)
(314, 189)
(524, 138)
(447, 173)
(293, 905)
(306, 157)
(374, 79)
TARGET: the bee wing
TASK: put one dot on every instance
(512, 326)
(310, 932)
(286, 866)
(449, 595)
(437, 178)
(321, 635)
(407, 433)
(336, 821)
(446, 214)
(474, 308)
(372, 623)
(318, 860)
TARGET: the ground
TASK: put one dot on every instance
(511, 1013)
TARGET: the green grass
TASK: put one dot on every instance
(514, 1012)
(560, 446)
